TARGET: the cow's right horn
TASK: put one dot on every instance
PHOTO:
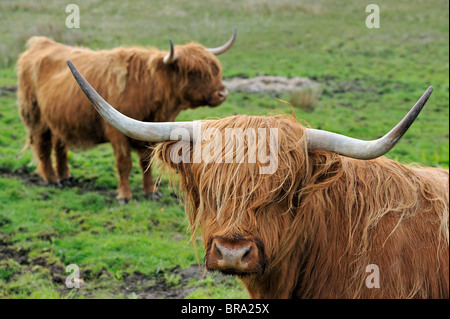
(365, 150)
(142, 131)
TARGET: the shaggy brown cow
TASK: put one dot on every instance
(330, 222)
(148, 85)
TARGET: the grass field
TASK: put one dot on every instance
(369, 77)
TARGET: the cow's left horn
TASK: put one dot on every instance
(350, 147)
(143, 131)
(171, 57)
(226, 46)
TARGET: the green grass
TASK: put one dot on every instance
(370, 78)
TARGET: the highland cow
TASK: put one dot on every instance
(146, 84)
(332, 210)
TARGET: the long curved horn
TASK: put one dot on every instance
(350, 147)
(226, 46)
(142, 131)
(171, 57)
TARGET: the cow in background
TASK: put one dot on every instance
(146, 84)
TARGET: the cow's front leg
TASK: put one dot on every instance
(122, 152)
(150, 189)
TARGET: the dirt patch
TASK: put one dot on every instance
(168, 284)
(7, 90)
(56, 268)
(84, 184)
(270, 84)
(7, 251)
(172, 283)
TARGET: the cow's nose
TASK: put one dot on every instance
(234, 256)
(231, 257)
(223, 94)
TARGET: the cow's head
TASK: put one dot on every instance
(248, 219)
(195, 72)
(243, 215)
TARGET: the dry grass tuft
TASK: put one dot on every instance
(305, 98)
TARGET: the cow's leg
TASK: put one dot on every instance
(39, 135)
(150, 189)
(42, 144)
(122, 152)
(62, 167)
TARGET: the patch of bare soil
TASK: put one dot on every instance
(172, 283)
(7, 251)
(168, 284)
(7, 90)
(270, 84)
(85, 184)
(20, 255)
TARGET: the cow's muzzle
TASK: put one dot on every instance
(218, 97)
(239, 257)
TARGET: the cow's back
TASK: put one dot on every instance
(49, 96)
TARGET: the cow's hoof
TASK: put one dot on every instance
(153, 196)
(68, 182)
(56, 184)
(123, 201)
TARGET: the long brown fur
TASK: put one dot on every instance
(323, 218)
(135, 80)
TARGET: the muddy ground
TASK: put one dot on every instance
(172, 283)
(85, 184)
(155, 288)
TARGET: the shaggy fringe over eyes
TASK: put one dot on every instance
(227, 197)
